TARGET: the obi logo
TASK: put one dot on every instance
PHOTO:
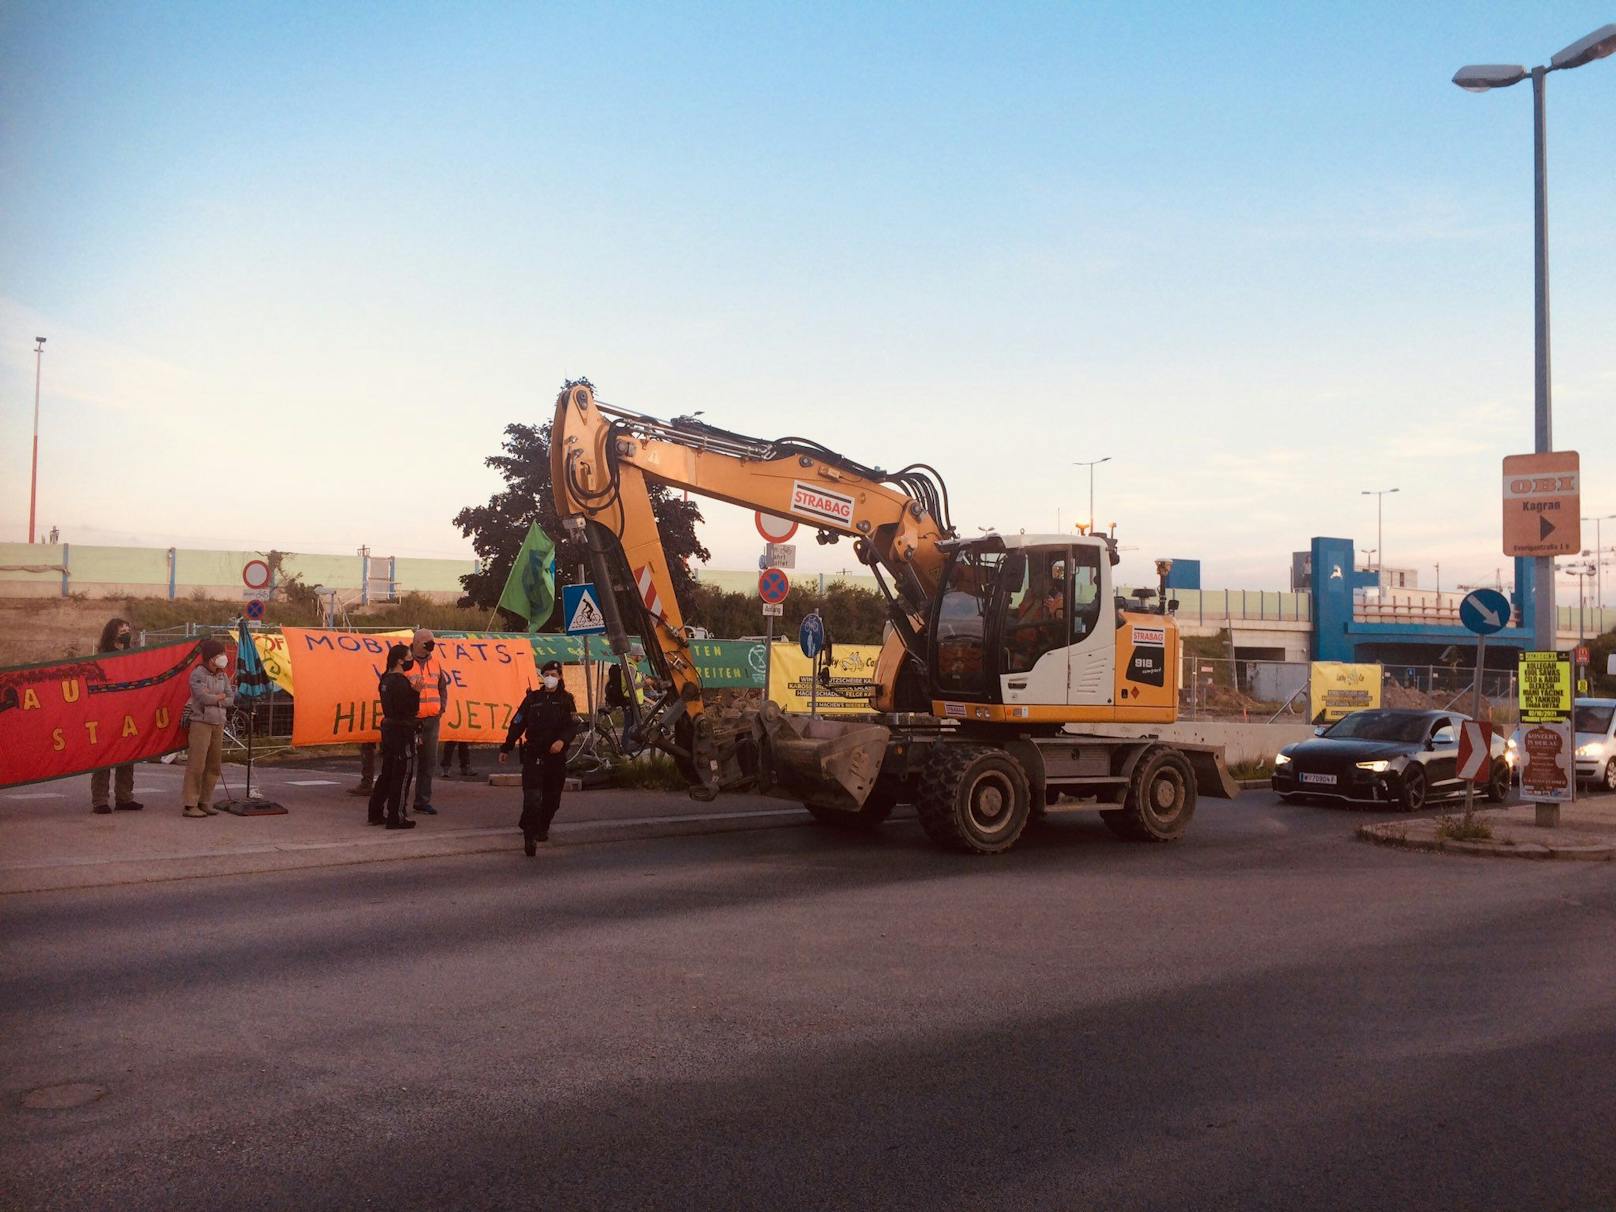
(816, 502)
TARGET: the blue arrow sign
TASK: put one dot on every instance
(811, 635)
(1484, 611)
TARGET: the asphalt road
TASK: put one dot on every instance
(1268, 1015)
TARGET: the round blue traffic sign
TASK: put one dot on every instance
(1484, 611)
(255, 609)
(811, 635)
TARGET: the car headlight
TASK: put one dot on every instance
(1511, 745)
(1378, 767)
(1281, 759)
(1590, 750)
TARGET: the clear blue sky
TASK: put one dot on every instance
(1263, 257)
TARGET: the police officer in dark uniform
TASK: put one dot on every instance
(401, 702)
(546, 722)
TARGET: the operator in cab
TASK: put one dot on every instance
(546, 722)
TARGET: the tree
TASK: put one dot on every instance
(496, 529)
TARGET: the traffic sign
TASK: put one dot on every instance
(1484, 611)
(1542, 504)
(781, 555)
(581, 609)
(255, 574)
(773, 609)
(773, 529)
(773, 585)
(1546, 758)
(255, 608)
(1545, 687)
(1475, 751)
(811, 635)
(1583, 655)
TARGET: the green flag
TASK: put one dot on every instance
(530, 589)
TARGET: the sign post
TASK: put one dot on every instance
(811, 639)
(1484, 612)
(773, 586)
(1548, 777)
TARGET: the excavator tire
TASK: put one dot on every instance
(973, 799)
(1160, 799)
(878, 805)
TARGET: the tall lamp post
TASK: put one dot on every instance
(1091, 465)
(1599, 563)
(1479, 78)
(1380, 530)
(33, 475)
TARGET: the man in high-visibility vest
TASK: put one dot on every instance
(429, 678)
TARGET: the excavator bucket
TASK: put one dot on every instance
(828, 763)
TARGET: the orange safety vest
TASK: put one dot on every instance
(425, 679)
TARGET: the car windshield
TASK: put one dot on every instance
(1591, 718)
(1380, 726)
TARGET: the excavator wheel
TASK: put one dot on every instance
(973, 798)
(1160, 799)
(877, 807)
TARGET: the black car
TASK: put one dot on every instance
(1385, 756)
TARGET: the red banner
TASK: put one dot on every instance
(69, 717)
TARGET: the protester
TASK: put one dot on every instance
(432, 683)
(116, 636)
(449, 751)
(546, 721)
(401, 702)
(210, 695)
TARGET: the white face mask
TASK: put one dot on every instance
(551, 682)
(220, 661)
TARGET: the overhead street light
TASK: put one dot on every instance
(1091, 464)
(33, 475)
(1380, 495)
(1599, 560)
(1480, 78)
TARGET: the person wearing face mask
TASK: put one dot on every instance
(432, 683)
(546, 721)
(116, 636)
(210, 695)
(400, 703)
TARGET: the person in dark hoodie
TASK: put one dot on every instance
(116, 636)
(401, 703)
(546, 722)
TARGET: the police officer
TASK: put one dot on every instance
(546, 721)
(401, 702)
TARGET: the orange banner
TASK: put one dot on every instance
(338, 671)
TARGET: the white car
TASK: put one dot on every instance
(1594, 721)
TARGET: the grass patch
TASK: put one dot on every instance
(1463, 829)
(1259, 769)
(650, 772)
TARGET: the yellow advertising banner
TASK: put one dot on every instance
(1337, 689)
(338, 671)
(852, 679)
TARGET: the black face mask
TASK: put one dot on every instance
(406, 666)
(426, 648)
(123, 641)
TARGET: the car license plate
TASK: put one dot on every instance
(1326, 780)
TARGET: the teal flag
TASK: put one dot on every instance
(530, 589)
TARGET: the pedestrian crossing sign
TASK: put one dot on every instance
(581, 609)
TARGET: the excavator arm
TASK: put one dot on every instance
(603, 461)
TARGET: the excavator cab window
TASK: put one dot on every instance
(962, 616)
(1039, 616)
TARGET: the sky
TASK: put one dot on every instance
(298, 265)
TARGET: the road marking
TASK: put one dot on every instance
(36, 795)
(312, 783)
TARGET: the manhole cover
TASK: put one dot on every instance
(62, 1097)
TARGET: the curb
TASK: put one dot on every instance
(1395, 833)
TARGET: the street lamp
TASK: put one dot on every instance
(1599, 562)
(1479, 78)
(1091, 464)
(33, 475)
(1380, 535)
(1582, 572)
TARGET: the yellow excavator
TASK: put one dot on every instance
(998, 650)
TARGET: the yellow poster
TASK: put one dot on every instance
(1337, 689)
(852, 679)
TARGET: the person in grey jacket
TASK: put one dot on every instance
(210, 695)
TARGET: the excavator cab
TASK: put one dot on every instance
(1023, 622)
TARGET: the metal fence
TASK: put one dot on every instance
(1218, 688)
